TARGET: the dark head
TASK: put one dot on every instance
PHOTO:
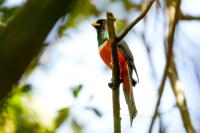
(100, 25)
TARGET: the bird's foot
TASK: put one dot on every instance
(110, 84)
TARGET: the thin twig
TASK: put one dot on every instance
(173, 21)
(161, 88)
(188, 17)
(115, 73)
(130, 26)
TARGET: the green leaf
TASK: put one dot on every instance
(26, 88)
(62, 116)
(77, 90)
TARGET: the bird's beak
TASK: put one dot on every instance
(95, 24)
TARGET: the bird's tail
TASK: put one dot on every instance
(128, 93)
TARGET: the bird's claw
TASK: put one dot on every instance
(110, 84)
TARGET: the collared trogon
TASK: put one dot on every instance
(126, 63)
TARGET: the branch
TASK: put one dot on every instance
(188, 17)
(115, 72)
(173, 75)
(173, 19)
(180, 98)
(160, 92)
(131, 25)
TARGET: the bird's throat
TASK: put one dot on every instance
(102, 37)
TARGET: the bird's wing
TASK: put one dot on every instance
(124, 49)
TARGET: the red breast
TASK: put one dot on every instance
(105, 53)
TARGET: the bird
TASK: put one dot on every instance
(126, 64)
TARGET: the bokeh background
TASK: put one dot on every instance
(65, 89)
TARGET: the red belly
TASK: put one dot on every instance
(105, 53)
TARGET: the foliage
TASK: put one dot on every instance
(17, 117)
(83, 10)
(62, 116)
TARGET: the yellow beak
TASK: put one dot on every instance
(95, 24)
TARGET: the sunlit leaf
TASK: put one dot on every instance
(16, 117)
(62, 116)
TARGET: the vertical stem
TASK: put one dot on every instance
(116, 111)
(173, 13)
(115, 73)
(180, 99)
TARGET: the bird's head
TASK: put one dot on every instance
(100, 25)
